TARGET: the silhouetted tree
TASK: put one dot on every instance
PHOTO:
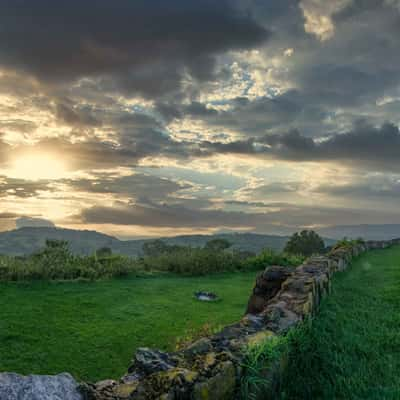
(155, 248)
(103, 252)
(217, 245)
(305, 243)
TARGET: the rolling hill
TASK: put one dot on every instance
(26, 240)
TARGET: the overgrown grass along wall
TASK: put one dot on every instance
(350, 350)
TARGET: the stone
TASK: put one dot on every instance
(201, 346)
(124, 390)
(149, 361)
(259, 338)
(206, 296)
(39, 387)
(219, 387)
(279, 318)
(267, 285)
(106, 384)
(165, 383)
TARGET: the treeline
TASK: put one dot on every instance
(56, 262)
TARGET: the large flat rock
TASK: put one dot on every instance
(38, 387)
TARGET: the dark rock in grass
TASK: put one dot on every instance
(38, 387)
(267, 285)
(148, 361)
(206, 296)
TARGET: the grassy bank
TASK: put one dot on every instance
(352, 349)
(92, 329)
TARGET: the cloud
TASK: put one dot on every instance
(146, 46)
(21, 188)
(284, 219)
(7, 215)
(208, 88)
(378, 188)
(74, 116)
(139, 186)
(365, 146)
(318, 16)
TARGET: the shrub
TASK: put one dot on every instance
(217, 245)
(193, 261)
(55, 262)
(270, 257)
(347, 243)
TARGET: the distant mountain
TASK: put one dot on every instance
(30, 239)
(367, 232)
(27, 240)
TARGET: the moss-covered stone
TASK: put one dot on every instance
(259, 337)
(124, 390)
(219, 387)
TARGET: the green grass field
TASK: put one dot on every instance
(92, 329)
(352, 348)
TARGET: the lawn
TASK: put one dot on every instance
(352, 348)
(92, 329)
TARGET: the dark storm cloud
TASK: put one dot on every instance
(366, 146)
(147, 45)
(247, 117)
(75, 116)
(285, 219)
(137, 185)
(380, 188)
(166, 216)
(333, 82)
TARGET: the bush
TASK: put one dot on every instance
(270, 257)
(347, 243)
(193, 261)
(56, 262)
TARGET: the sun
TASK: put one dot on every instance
(35, 167)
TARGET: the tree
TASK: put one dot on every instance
(305, 243)
(217, 245)
(154, 248)
(103, 252)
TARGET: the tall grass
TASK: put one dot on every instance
(261, 363)
(194, 261)
(56, 262)
(352, 349)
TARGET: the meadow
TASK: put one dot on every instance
(351, 350)
(88, 314)
(91, 329)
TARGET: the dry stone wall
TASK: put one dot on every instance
(211, 368)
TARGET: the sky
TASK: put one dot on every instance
(158, 118)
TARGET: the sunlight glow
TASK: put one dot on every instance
(35, 167)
